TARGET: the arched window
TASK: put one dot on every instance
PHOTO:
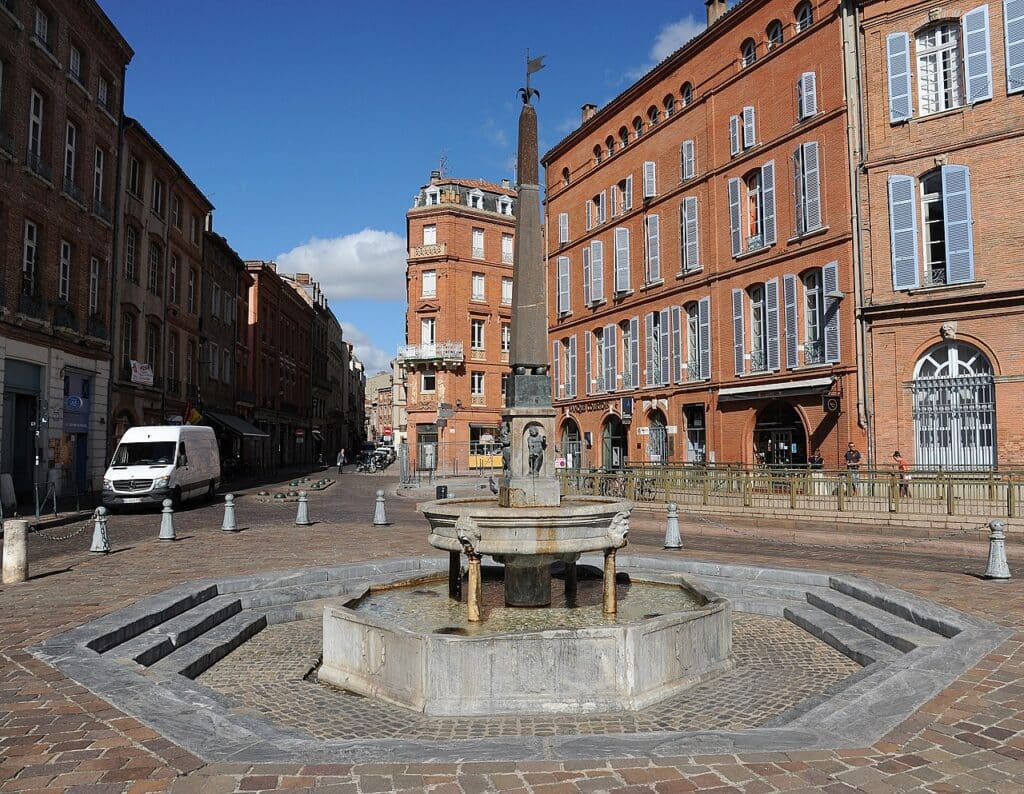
(692, 341)
(814, 318)
(658, 449)
(758, 329)
(565, 177)
(652, 115)
(609, 143)
(954, 407)
(748, 52)
(938, 68)
(572, 449)
(774, 33)
(670, 105)
(623, 137)
(804, 17)
(638, 127)
(597, 155)
(686, 94)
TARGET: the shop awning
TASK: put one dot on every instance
(236, 425)
(789, 388)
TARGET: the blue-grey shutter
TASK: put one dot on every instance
(587, 294)
(704, 342)
(734, 216)
(663, 347)
(956, 212)
(689, 160)
(588, 386)
(597, 270)
(634, 352)
(897, 49)
(651, 352)
(768, 198)
(650, 180)
(734, 135)
(677, 345)
(738, 342)
(771, 303)
(1013, 20)
(903, 232)
(556, 365)
(653, 248)
(789, 298)
(811, 187)
(563, 285)
(614, 192)
(798, 189)
(600, 358)
(807, 88)
(602, 200)
(563, 227)
(627, 358)
(749, 128)
(572, 366)
(977, 55)
(622, 279)
(691, 258)
(830, 286)
(589, 206)
(611, 370)
(628, 197)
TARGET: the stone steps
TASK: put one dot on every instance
(900, 634)
(151, 646)
(197, 656)
(845, 638)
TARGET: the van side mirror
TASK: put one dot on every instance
(182, 461)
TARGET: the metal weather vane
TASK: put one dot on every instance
(532, 65)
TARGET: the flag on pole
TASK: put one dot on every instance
(535, 64)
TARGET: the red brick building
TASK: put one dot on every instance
(458, 322)
(62, 68)
(700, 247)
(944, 269)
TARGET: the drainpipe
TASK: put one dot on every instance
(114, 266)
(855, 153)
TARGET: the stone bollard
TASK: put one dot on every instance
(380, 518)
(15, 551)
(672, 538)
(302, 516)
(997, 565)
(167, 521)
(228, 525)
(100, 539)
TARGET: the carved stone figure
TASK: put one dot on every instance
(505, 439)
(535, 446)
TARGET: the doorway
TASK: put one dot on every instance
(696, 434)
(657, 441)
(613, 443)
(779, 436)
(571, 445)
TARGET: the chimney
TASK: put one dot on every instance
(435, 177)
(716, 10)
(506, 184)
(588, 112)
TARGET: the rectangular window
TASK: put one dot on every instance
(35, 128)
(477, 384)
(191, 291)
(127, 340)
(428, 381)
(226, 368)
(506, 291)
(158, 197)
(42, 27)
(103, 92)
(190, 367)
(478, 243)
(134, 173)
(70, 149)
(94, 286)
(807, 95)
(194, 230)
(689, 234)
(129, 254)
(172, 357)
(650, 180)
(214, 361)
(152, 345)
(97, 184)
(622, 275)
(28, 259)
(64, 280)
(596, 270)
(563, 227)
(653, 270)
(506, 249)
(172, 280)
(938, 68)
(506, 337)
(215, 300)
(476, 329)
(687, 160)
(427, 326)
(430, 234)
(75, 63)
(807, 188)
(176, 211)
(429, 284)
(478, 286)
(563, 285)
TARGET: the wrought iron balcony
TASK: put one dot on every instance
(64, 317)
(425, 251)
(95, 326)
(436, 351)
(74, 191)
(32, 305)
(693, 370)
(758, 361)
(814, 352)
(35, 162)
(935, 275)
(755, 242)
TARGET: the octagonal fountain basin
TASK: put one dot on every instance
(413, 646)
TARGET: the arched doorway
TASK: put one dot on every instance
(657, 440)
(779, 436)
(613, 443)
(572, 448)
(954, 408)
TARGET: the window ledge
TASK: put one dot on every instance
(78, 83)
(753, 253)
(691, 272)
(34, 175)
(5, 11)
(939, 114)
(563, 315)
(621, 294)
(945, 288)
(106, 112)
(807, 367)
(805, 235)
(74, 201)
(45, 51)
(652, 284)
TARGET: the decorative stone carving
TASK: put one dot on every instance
(948, 330)
(618, 532)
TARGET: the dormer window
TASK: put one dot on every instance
(475, 199)
(505, 205)
(433, 197)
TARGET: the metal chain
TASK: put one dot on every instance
(58, 538)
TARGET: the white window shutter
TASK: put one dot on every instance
(789, 300)
(653, 248)
(903, 232)
(571, 366)
(956, 211)
(734, 135)
(622, 279)
(588, 295)
(602, 215)
(734, 217)
(749, 128)
(897, 49)
(768, 198)
(556, 365)
(599, 359)
(811, 187)
(771, 303)
(799, 201)
(677, 345)
(629, 192)
(611, 369)
(563, 227)
(650, 349)
(1013, 20)
(634, 351)
(704, 342)
(615, 200)
(590, 214)
(597, 270)
(563, 285)
(808, 89)
(691, 256)
(830, 286)
(977, 55)
(650, 180)
(689, 160)
(663, 348)
(738, 342)
(588, 386)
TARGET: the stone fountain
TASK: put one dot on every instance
(527, 529)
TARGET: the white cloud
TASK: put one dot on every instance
(669, 39)
(374, 358)
(366, 264)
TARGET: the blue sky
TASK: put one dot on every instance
(311, 124)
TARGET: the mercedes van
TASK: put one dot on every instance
(151, 464)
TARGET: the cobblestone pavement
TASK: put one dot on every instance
(777, 666)
(55, 735)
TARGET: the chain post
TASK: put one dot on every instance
(841, 493)
(705, 487)
(748, 490)
(949, 496)
(792, 490)
(1011, 497)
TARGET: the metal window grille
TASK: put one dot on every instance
(954, 421)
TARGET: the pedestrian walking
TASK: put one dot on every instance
(816, 463)
(342, 460)
(903, 465)
(852, 458)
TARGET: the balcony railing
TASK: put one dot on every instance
(758, 361)
(32, 305)
(424, 251)
(693, 370)
(35, 162)
(445, 351)
(64, 317)
(101, 210)
(95, 326)
(814, 352)
(74, 191)
(478, 399)
(934, 276)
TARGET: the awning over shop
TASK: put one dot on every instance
(236, 425)
(790, 388)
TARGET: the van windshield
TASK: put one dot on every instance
(144, 453)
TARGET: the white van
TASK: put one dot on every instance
(156, 463)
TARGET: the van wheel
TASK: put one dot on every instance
(176, 498)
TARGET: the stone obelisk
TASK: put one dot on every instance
(528, 479)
